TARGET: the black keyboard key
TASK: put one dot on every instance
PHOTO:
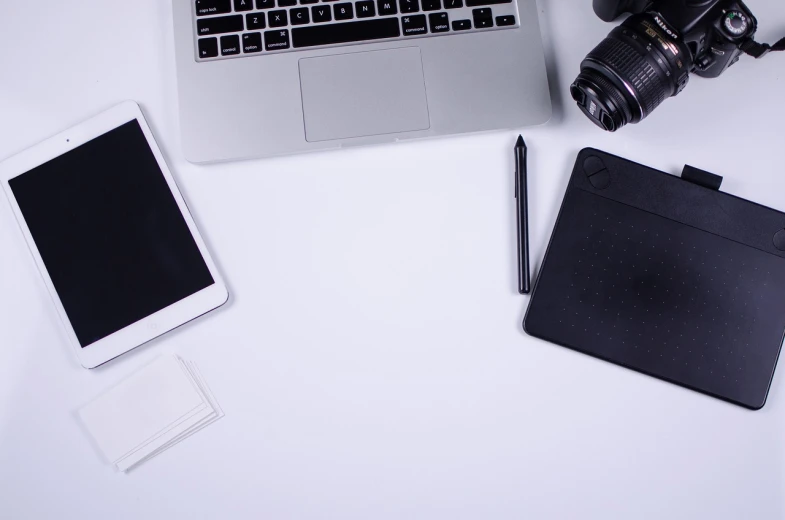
(276, 40)
(387, 7)
(286, 3)
(439, 22)
(243, 5)
(453, 4)
(414, 25)
(409, 6)
(205, 7)
(482, 18)
(365, 9)
(265, 4)
(321, 13)
(208, 47)
(461, 25)
(299, 16)
(431, 5)
(252, 42)
(501, 21)
(230, 45)
(343, 11)
(254, 21)
(477, 3)
(305, 2)
(221, 24)
(482, 14)
(347, 32)
(277, 19)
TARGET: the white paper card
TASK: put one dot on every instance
(211, 398)
(149, 411)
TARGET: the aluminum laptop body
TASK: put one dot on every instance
(259, 78)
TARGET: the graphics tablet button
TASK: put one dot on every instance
(592, 165)
(779, 240)
(601, 179)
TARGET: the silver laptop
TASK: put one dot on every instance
(259, 78)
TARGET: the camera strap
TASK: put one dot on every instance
(758, 50)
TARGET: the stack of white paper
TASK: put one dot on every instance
(149, 412)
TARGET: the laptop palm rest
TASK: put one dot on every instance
(363, 94)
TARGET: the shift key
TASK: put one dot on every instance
(220, 24)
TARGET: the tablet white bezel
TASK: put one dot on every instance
(156, 324)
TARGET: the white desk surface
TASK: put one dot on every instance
(371, 361)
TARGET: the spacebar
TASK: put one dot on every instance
(346, 32)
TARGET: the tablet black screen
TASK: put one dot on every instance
(110, 233)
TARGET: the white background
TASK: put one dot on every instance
(371, 361)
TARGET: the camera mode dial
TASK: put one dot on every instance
(735, 23)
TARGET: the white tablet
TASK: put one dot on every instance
(111, 235)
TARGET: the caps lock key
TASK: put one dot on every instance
(207, 7)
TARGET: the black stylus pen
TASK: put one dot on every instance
(522, 205)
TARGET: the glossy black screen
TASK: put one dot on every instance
(110, 233)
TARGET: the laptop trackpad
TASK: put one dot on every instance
(363, 94)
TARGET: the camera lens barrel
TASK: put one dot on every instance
(638, 66)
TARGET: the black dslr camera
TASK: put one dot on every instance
(650, 56)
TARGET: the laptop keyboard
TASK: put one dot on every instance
(236, 28)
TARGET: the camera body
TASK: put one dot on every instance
(713, 30)
(650, 56)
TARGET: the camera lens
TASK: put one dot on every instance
(639, 65)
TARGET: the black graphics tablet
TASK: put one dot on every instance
(667, 276)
